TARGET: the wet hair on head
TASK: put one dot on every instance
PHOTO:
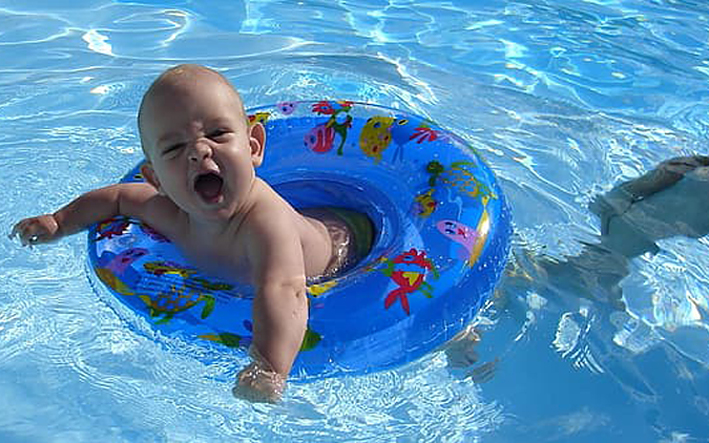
(173, 73)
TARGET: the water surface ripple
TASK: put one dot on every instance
(563, 98)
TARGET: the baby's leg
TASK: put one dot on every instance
(351, 234)
(361, 229)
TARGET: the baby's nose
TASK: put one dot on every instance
(200, 151)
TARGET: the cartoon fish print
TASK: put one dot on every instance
(153, 234)
(318, 289)
(412, 128)
(325, 107)
(120, 263)
(458, 232)
(116, 272)
(112, 228)
(165, 267)
(259, 117)
(426, 203)
(375, 136)
(406, 129)
(409, 271)
(483, 230)
(380, 131)
(401, 132)
(287, 108)
(320, 139)
(472, 240)
(113, 281)
(424, 133)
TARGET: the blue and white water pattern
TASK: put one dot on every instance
(564, 99)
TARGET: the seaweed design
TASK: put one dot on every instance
(321, 138)
(231, 340)
(460, 175)
(188, 292)
(166, 304)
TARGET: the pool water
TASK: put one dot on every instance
(563, 98)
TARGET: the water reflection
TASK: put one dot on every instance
(668, 201)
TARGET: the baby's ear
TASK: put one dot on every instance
(149, 174)
(257, 143)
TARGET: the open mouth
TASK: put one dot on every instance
(209, 186)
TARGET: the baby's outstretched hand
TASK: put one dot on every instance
(259, 385)
(259, 382)
(34, 230)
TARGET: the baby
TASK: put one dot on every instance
(202, 193)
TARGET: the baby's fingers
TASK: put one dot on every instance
(13, 232)
(28, 231)
(18, 229)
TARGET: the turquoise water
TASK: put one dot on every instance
(563, 98)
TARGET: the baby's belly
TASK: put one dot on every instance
(220, 268)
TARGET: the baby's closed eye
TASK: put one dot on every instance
(173, 148)
(219, 134)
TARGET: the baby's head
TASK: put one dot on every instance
(173, 84)
(200, 149)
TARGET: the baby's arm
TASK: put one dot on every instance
(129, 199)
(621, 197)
(280, 308)
(663, 176)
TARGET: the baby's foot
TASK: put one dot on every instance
(460, 351)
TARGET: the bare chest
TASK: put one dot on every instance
(220, 259)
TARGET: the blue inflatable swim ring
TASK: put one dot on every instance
(442, 239)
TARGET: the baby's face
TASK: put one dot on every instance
(201, 151)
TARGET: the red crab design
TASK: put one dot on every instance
(409, 280)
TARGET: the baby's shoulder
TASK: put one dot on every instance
(272, 215)
(272, 218)
(157, 210)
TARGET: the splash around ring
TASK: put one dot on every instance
(442, 238)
